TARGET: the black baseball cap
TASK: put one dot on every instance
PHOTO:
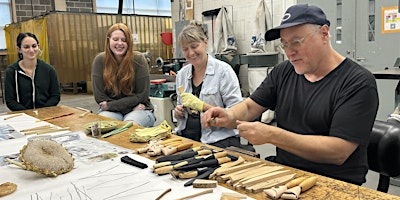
(298, 14)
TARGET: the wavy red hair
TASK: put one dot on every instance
(118, 77)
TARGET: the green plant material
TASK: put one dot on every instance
(118, 130)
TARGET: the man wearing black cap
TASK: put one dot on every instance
(325, 103)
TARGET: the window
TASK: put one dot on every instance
(140, 7)
(5, 18)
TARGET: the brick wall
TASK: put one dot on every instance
(79, 6)
(28, 9)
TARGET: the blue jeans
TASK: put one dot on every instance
(144, 118)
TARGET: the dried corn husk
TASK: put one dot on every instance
(154, 133)
(45, 157)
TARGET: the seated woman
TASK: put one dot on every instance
(120, 80)
(30, 82)
(206, 82)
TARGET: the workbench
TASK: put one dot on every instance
(326, 188)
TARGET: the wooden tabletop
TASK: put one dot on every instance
(326, 188)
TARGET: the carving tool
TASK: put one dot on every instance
(189, 174)
(294, 192)
(204, 175)
(164, 142)
(206, 163)
(180, 89)
(276, 192)
(185, 154)
(173, 149)
(190, 161)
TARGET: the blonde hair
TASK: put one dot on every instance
(193, 32)
(118, 77)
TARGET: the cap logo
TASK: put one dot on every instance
(286, 17)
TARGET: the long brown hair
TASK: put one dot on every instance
(118, 77)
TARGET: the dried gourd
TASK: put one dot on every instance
(45, 157)
(154, 133)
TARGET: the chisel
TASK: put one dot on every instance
(204, 175)
(183, 155)
(206, 163)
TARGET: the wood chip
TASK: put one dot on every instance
(7, 188)
(201, 183)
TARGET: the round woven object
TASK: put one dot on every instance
(46, 157)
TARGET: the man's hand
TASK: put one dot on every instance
(216, 116)
(191, 101)
(255, 132)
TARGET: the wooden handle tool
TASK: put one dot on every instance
(204, 175)
(192, 174)
(171, 149)
(183, 155)
(276, 192)
(295, 182)
(163, 142)
(188, 160)
(180, 89)
(294, 192)
(163, 170)
(308, 183)
(206, 163)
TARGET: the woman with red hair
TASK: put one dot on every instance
(120, 79)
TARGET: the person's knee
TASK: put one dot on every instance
(113, 115)
(133, 122)
(143, 118)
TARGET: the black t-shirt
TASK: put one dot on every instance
(193, 125)
(343, 104)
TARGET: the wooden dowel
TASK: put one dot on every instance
(83, 109)
(164, 193)
(50, 130)
(196, 194)
(36, 128)
(83, 114)
(12, 116)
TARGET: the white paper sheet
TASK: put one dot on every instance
(107, 179)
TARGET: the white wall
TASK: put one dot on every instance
(242, 14)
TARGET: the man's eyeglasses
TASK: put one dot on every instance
(296, 43)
